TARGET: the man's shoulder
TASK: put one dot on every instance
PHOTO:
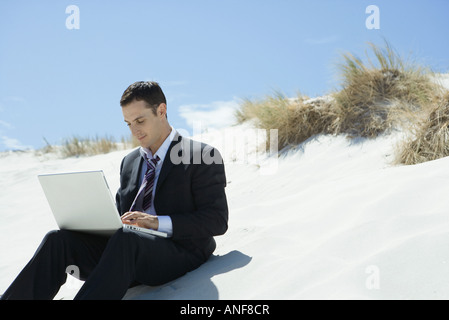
(194, 145)
(188, 151)
(132, 155)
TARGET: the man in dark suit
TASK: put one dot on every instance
(171, 184)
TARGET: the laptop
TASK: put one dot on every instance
(82, 201)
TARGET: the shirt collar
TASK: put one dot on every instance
(162, 151)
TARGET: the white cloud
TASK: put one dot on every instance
(13, 144)
(6, 124)
(216, 115)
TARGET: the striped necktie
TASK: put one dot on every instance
(147, 185)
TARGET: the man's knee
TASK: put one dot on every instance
(120, 233)
(58, 235)
(53, 236)
(129, 241)
(123, 236)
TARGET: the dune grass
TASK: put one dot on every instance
(295, 119)
(377, 95)
(381, 92)
(77, 146)
(429, 138)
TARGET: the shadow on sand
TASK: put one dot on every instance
(195, 285)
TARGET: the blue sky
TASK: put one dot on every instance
(207, 55)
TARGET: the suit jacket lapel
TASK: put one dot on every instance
(168, 164)
(135, 175)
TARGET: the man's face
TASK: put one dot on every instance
(146, 127)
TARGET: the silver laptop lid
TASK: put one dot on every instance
(81, 201)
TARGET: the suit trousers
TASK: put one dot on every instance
(109, 265)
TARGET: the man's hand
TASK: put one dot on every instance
(141, 219)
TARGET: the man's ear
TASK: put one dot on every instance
(162, 110)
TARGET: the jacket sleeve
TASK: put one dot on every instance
(210, 217)
(118, 194)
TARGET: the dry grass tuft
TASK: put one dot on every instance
(76, 146)
(377, 94)
(430, 136)
(296, 119)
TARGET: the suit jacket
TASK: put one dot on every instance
(190, 189)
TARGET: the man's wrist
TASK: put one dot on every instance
(165, 225)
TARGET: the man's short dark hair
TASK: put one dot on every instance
(148, 91)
